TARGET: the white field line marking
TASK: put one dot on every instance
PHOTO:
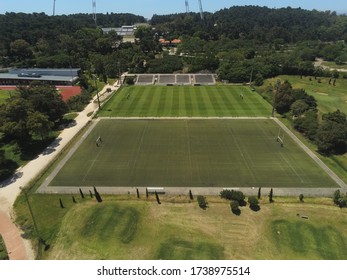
(242, 154)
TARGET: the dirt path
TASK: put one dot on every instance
(10, 189)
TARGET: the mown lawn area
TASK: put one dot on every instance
(127, 228)
(190, 153)
(4, 95)
(329, 98)
(179, 101)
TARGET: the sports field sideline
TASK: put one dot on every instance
(189, 153)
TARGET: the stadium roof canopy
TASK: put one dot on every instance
(54, 76)
(121, 31)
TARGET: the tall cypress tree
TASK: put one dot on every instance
(82, 194)
(259, 192)
(97, 195)
(191, 195)
(61, 203)
(271, 195)
(137, 193)
(157, 197)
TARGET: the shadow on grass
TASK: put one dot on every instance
(255, 208)
(36, 147)
(236, 212)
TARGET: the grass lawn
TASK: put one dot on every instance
(333, 65)
(190, 153)
(329, 97)
(4, 95)
(126, 228)
(204, 101)
(3, 250)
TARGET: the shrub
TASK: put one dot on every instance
(233, 195)
(202, 202)
(253, 203)
(340, 199)
(234, 206)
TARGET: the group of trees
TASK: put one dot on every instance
(32, 113)
(240, 44)
(239, 41)
(290, 25)
(329, 133)
(237, 200)
(29, 117)
(232, 42)
(340, 199)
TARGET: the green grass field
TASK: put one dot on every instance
(4, 95)
(204, 101)
(333, 65)
(190, 153)
(126, 228)
(3, 250)
(329, 98)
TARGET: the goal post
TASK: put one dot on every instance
(280, 137)
(98, 141)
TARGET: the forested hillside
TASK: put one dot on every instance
(258, 23)
(230, 42)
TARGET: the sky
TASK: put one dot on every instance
(147, 8)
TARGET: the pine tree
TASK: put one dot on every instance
(73, 199)
(137, 192)
(191, 195)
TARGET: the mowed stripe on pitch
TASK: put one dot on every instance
(204, 101)
(190, 153)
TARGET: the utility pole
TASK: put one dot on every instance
(41, 240)
(94, 11)
(187, 7)
(201, 10)
(54, 7)
(120, 73)
(277, 85)
(97, 91)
